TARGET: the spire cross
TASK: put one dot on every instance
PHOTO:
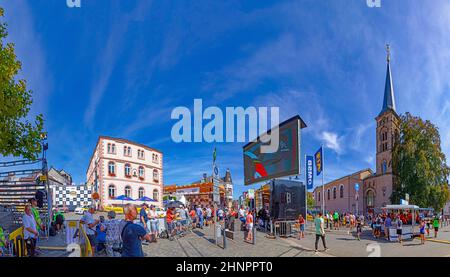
(388, 50)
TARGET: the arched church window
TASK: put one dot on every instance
(370, 198)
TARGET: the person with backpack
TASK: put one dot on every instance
(132, 234)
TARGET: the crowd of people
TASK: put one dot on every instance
(125, 237)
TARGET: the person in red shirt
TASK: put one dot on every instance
(170, 216)
(193, 216)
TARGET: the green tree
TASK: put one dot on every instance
(418, 164)
(310, 201)
(18, 136)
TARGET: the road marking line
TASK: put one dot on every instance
(436, 240)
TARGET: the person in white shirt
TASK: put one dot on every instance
(153, 218)
(30, 233)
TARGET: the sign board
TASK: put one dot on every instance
(260, 167)
(43, 178)
(309, 172)
(406, 196)
(251, 193)
(404, 202)
(216, 191)
(356, 186)
(188, 191)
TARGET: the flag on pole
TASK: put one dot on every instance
(319, 161)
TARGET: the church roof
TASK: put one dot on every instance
(389, 98)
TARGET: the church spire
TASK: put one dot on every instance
(389, 99)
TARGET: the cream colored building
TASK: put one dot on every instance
(122, 167)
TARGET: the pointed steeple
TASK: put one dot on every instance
(389, 99)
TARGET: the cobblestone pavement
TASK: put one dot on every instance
(343, 244)
(200, 243)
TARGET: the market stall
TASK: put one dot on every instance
(408, 213)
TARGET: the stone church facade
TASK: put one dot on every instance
(375, 188)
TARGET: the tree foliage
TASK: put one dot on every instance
(310, 201)
(419, 165)
(18, 136)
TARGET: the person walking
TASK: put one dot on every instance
(249, 225)
(112, 228)
(200, 216)
(30, 232)
(336, 220)
(422, 232)
(132, 234)
(301, 223)
(208, 216)
(193, 216)
(320, 232)
(387, 226)
(436, 225)
(359, 224)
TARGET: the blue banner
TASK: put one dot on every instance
(309, 172)
(319, 161)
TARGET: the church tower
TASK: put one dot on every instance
(378, 188)
(387, 124)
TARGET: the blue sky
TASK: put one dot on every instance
(118, 68)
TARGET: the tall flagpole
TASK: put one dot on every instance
(323, 187)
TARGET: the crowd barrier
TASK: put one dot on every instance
(74, 230)
(285, 228)
(18, 243)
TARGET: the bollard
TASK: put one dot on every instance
(224, 239)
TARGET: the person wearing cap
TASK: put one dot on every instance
(112, 228)
(35, 213)
(88, 221)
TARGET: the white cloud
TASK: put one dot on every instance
(332, 141)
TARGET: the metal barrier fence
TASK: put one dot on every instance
(285, 228)
(83, 241)
(18, 243)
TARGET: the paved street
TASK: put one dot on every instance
(200, 243)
